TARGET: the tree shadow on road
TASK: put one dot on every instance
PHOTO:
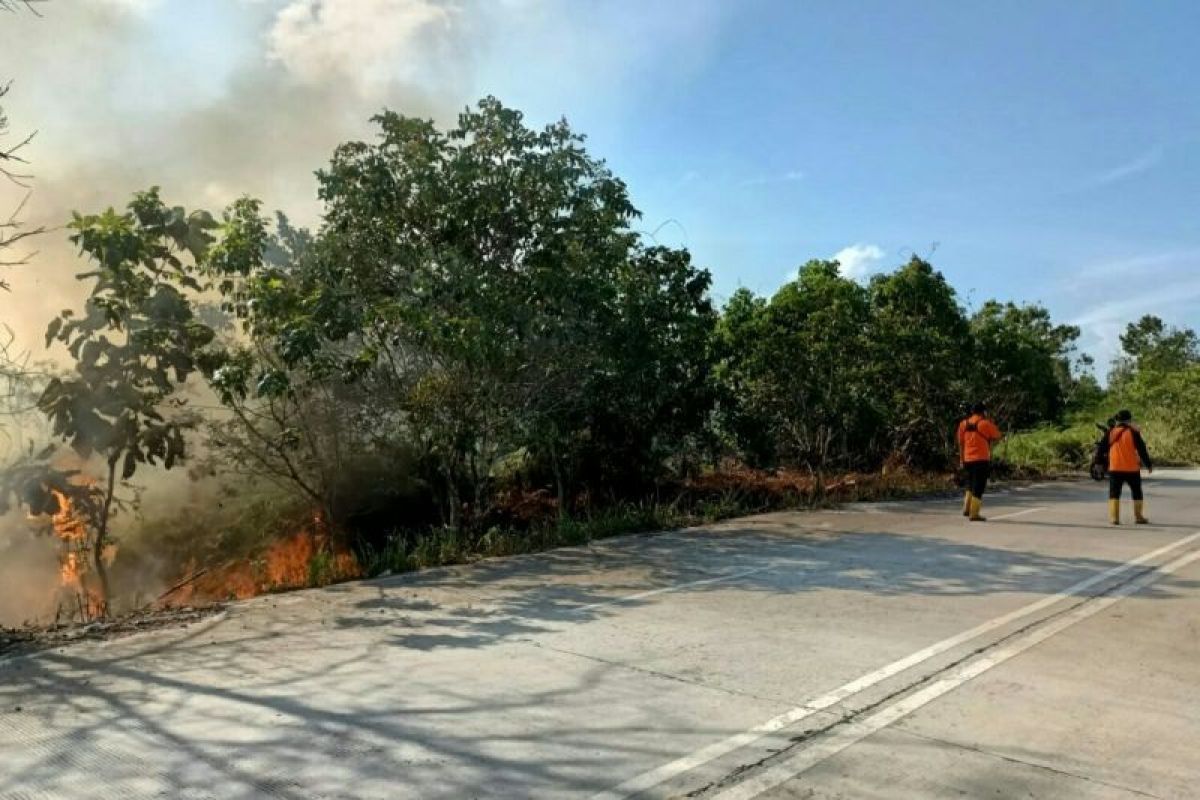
(425, 685)
(328, 723)
(495, 601)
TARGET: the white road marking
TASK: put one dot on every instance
(651, 778)
(616, 601)
(854, 732)
(1018, 513)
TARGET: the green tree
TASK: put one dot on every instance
(737, 380)
(1158, 376)
(921, 348)
(287, 426)
(1086, 393)
(135, 344)
(1021, 363)
(650, 395)
(1150, 346)
(489, 277)
(798, 370)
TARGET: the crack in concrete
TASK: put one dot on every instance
(851, 715)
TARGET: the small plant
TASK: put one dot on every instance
(321, 569)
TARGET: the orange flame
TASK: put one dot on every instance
(307, 557)
(72, 534)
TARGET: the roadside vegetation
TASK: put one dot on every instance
(477, 354)
(1158, 377)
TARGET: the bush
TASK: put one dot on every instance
(1051, 449)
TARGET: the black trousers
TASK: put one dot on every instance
(977, 476)
(1118, 479)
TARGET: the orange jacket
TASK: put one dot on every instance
(1127, 450)
(975, 436)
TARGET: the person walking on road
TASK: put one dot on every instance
(976, 435)
(1127, 454)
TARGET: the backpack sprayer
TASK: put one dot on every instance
(1099, 466)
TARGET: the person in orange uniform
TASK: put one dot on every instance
(1127, 454)
(976, 435)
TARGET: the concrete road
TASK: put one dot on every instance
(879, 651)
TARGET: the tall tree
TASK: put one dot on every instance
(650, 392)
(799, 367)
(490, 273)
(921, 347)
(1150, 345)
(742, 425)
(136, 342)
(1021, 363)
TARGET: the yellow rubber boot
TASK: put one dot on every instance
(967, 504)
(976, 508)
(1114, 512)
(1139, 516)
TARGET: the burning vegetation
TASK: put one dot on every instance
(73, 592)
(307, 557)
(76, 595)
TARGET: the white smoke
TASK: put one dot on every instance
(365, 43)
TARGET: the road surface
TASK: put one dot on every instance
(878, 651)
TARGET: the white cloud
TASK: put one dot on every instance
(859, 260)
(1103, 321)
(791, 176)
(1167, 261)
(1143, 163)
(367, 41)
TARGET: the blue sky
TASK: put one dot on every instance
(1042, 151)
(1047, 150)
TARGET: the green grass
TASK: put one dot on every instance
(1051, 449)
(406, 551)
(1068, 448)
(321, 569)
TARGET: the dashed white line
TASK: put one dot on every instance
(1020, 513)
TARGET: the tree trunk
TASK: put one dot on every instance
(102, 540)
(559, 484)
(453, 501)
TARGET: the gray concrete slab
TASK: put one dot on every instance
(1104, 709)
(885, 767)
(661, 665)
(1113, 699)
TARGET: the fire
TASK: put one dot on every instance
(74, 592)
(69, 571)
(68, 526)
(287, 562)
(308, 557)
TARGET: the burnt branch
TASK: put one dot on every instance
(11, 230)
(9, 156)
